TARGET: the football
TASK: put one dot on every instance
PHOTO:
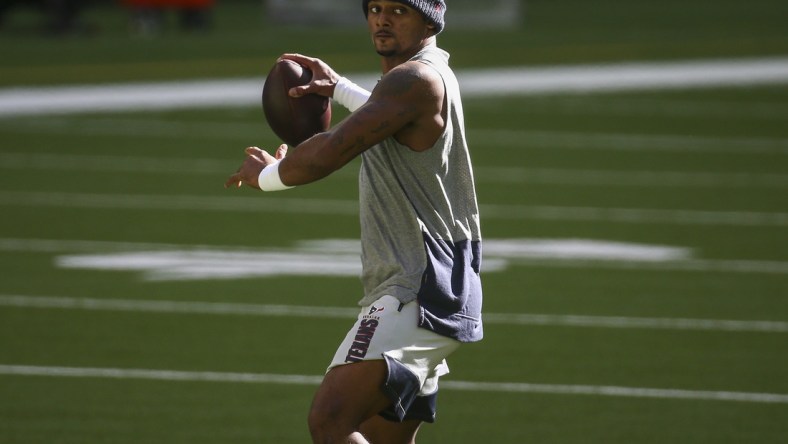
(293, 119)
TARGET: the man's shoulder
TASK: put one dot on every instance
(411, 77)
(415, 69)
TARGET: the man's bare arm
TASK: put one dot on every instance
(400, 99)
(404, 98)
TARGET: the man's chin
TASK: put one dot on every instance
(386, 52)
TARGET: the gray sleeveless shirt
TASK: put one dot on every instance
(420, 233)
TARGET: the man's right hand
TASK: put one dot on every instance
(256, 159)
(324, 79)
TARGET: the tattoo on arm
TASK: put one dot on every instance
(353, 147)
(381, 127)
(391, 107)
(404, 83)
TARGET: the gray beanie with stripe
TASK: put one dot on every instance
(432, 10)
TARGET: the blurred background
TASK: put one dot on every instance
(631, 160)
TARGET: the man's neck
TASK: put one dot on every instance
(388, 63)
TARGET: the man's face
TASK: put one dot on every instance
(396, 28)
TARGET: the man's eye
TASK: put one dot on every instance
(399, 11)
(374, 9)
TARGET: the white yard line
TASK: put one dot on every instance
(624, 77)
(629, 178)
(524, 252)
(503, 138)
(651, 105)
(505, 387)
(486, 174)
(635, 215)
(475, 83)
(529, 139)
(350, 207)
(158, 375)
(524, 319)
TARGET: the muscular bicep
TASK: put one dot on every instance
(372, 123)
(399, 100)
(327, 152)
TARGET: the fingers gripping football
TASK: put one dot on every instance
(294, 119)
(323, 77)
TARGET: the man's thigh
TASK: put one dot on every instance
(378, 430)
(349, 400)
(350, 394)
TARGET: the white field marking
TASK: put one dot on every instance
(130, 97)
(505, 387)
(250, 204)
(498, 254)
(498, 248)
(104, 163)
(178, 307)
(350, 208)
(475, 83)
(510, 138)
(333, 259)
(199, 265)
(301, 311)
(68, 245)
(205, 166)
(634, 215)
(158, 375)
(579, 249)
(623, 77)
(138, 128)
(630, 392)
(653, 106)
(694, 265)
(629, 178)
(527, 139)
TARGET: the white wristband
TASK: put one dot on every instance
(269, 178)
(350, 95)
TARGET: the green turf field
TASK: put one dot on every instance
(134, 307)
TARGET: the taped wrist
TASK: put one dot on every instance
(350, 95)
(269, 179)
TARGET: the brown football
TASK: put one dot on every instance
(293, 119)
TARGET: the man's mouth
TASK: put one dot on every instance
(383, 34)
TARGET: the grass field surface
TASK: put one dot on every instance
(636, 246)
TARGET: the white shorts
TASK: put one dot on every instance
(416, 357)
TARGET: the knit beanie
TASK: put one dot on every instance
(432, 10)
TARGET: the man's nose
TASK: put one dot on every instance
(384, 18)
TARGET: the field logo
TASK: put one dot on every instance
(340, 257)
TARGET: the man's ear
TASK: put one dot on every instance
(430, 29)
